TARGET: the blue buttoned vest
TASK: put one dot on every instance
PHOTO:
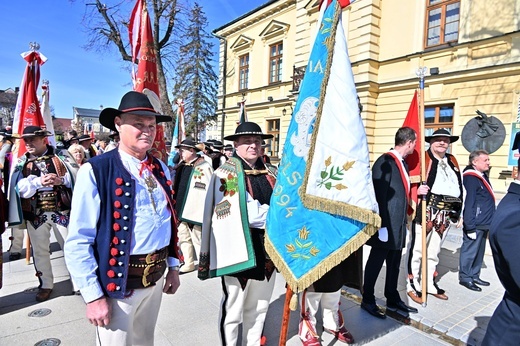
(115, 223)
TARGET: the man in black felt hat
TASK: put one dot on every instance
(114, 141)
(41, 184)
(232, 237)
(228, 150)
(192, 176)
(216, 155)
(443, 193)
(71, 137)
(86, 142)
(123, 230)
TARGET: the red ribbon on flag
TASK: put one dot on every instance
(342, 3)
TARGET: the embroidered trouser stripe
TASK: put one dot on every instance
(248, 306)
(40, 241)
(223, 312)
(433, 246)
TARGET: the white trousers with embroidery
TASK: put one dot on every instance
(133, 319)
(40, 241)
(248, 306)
(433, 246)
(17, 241)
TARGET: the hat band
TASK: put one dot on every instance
(129, 110)
(249, 133)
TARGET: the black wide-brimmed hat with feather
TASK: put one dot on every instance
(247, 129)
(132, 102)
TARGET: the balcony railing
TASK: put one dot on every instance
(298, 73)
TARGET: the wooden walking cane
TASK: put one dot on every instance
(285, 316)
(424, 270)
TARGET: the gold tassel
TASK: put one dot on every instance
(293, 304)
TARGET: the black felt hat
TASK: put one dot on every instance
(6, 133)
(132, 102)
(188, 143)
(248, 129)
(113, 134)
(218, 144)
(441, 133)
(83, 138)
(228, 147)
(33, 131)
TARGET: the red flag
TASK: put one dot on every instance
(28, 112)
(145, 80)
(342, 3)
(414, 159)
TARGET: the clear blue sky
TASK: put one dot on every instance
(77, 78)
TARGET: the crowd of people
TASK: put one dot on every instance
(135, 224)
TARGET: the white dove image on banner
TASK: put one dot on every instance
(323, 206)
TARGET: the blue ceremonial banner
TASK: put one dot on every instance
(323, 206)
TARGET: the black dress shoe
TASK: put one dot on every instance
(470, 285)
(481, 282)
(400, 306)
(373, 310)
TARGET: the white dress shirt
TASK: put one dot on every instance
(446, 181)
(28, 186)
(151, 225)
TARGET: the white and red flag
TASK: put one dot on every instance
(27, 111)
(145, 79)
(46, 112)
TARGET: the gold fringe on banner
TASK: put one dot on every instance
(298, 285)
(341, 208)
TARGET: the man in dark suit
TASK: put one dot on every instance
(392, 187)
(479, 207)
(504, 237)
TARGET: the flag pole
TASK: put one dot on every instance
(285, 316)
(421, 72)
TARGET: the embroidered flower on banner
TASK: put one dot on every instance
(331, 177)
(302, 248)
